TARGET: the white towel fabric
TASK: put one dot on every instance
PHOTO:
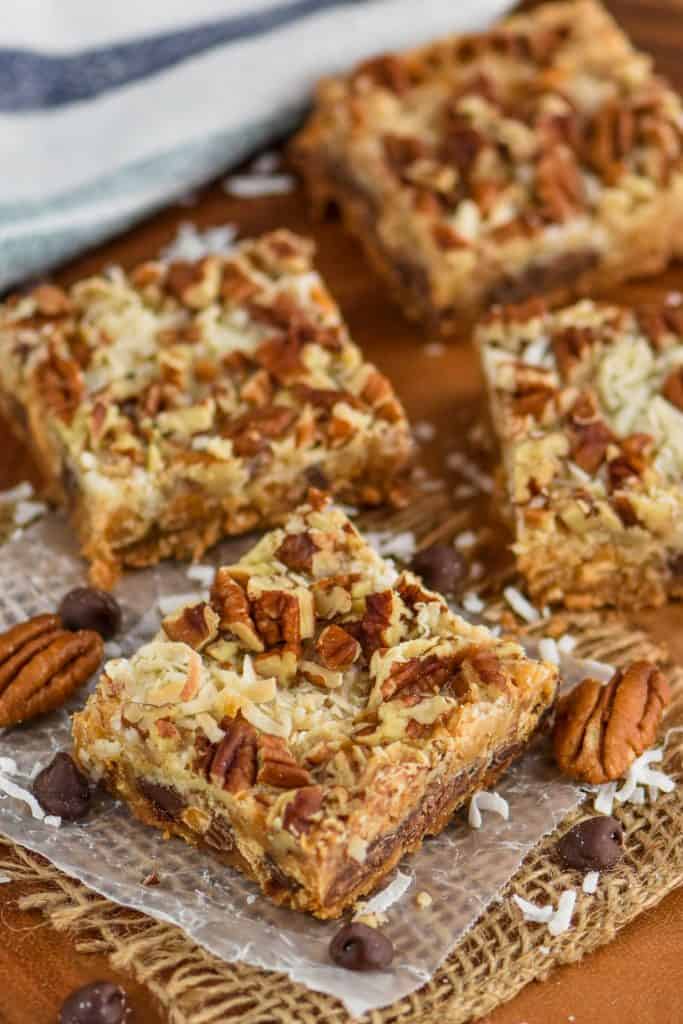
(110, 110)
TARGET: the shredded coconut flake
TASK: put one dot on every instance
(424, 431)
(561, 921)
(549, 650)
(8, 765)
(387, 897)
(590, 882)
(53, 820)
(520, 605)
(192, 244)
(472, 603)
(466, 539)
(26, 511)
(597, 670)
(4, 879)
(605, 797)
(394, 545)
(22, 492)
(203, 574)
(19, 793)
(252, 186)
(532, 912)
(434, 349)
(485, 801)
(566, 644)
(640, 774)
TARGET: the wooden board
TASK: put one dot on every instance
(640, 975)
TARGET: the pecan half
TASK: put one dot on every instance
(297, 551)
(306, 803)
(41, 665)
(600, 730)
(277, 765)
(233, 764)
(337, 648)
(277, 618)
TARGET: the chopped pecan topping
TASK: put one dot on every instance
(388, 71)
(559, 185)
(419, 677)
(41, 665)
(462, 142)
(531, 397)
(51, 300)
(277, 618)
(195, 625)
(610, 138)
(258, 389)
(402, 150)
(672, 389)
(591, 435)
(631, 463)
(277, 765)
(600, 730)
(380, 395)
(236, 285)
(232, 605)
(195, 284)
(375, 621)
(337, 648)
(569, 346)
(625, 510)
(487, 666)
(253, 431)
(447, 238)
(301, 809)
(233, 763)
(60, 382)
(297, 551)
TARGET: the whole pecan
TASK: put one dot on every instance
(41, 665)
(277, 618)
(600, 730)
(277, 765)
(233, 764)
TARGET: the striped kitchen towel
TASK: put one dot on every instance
(110, 110)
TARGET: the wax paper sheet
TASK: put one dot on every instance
(463, 869)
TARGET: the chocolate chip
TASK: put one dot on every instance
(62, 788)
(359, 948)
(441, 567)
(88, 608)
(167, 801)
(99, 1003)
(316, 478)
(592, 845)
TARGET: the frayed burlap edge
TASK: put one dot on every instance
(499, 956)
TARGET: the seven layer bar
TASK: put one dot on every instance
(313, 720)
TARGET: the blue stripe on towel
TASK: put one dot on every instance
(30, 80)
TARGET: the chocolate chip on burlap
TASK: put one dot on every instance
(441, 567)
(593, 845)
(358, 947)
(90, 608)
(62, 788)
(99, 1003)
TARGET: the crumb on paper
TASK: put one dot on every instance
(371, 920)
(151, 879)
(423, 900)
(203, 574)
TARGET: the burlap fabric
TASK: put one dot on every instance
(499, 955)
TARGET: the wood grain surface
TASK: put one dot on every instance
(635, 980)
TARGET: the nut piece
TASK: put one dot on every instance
(337, 648)
(600, 730)
(41, 665)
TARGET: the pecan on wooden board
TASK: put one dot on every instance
(41, 665)
(600, 730)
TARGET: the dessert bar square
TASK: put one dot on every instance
(315, 718)
(188, 401)
(587, 403)
(541, 156)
